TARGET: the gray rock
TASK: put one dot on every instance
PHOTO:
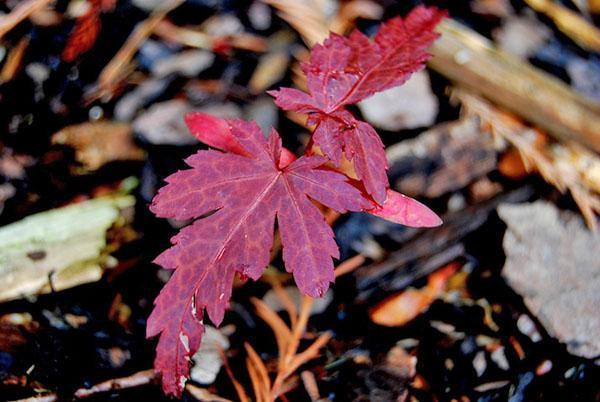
(131, 103)
(207, 360)
(264, 112)
(411, 105)
(259, 15)
(163, 123)
(552, 261)
(188, 63)
(522, 35)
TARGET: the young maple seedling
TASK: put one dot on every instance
(236, 191)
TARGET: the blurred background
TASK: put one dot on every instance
(499, 135)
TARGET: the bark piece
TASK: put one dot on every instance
(440, 160)
(58, 249)
(468, 58)
(552, 261)
(424, 251)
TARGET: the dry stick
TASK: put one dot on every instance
(305, 17)
(203, 394)
(291, 346)
(22, 11)
(282, 295)
(254, 380)
(173, 33)
(40, 398)
(310, 385)
(257, 370)
(201, 40)
(468, 58)
(350, 265)
(290, 361)
(114, 69)
(239, 389)
(13, 61)
(132, 381)
(572, 24)
(283, 370)
(281, 331)
(563, 176)
(309, 353)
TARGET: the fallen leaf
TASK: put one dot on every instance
(99, 143)
(403, 307)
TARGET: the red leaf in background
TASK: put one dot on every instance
(344, 71)
(245, 189)
(84, 34)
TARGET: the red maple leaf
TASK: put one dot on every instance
(235, 197)
(343, 71)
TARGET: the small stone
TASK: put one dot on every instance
(411, 105)
(527, 327)
(130, 104)
(264, 112)
(152, 52)
(499, 357)
(207, 360)
(148, 5)
(552, 261)
(188, 63)
(479, 363)
(522, 35)
(259, 15)
(163, 123)
(223, 25)
(585, 76)
(37, 71)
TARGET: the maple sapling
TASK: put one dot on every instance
(237, 191)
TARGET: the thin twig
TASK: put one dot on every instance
(114, 71)
(310, 385)
(22, 11)
(13, 61)
(298, 330)
(286, 301)
(140, 378)
(258, 373)
(201, 40)
(572, 24)
(203, 395)
(40, 398)
(309, 353)
(239, 389)
(563, 176)
(281, 331)
(349, 265)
